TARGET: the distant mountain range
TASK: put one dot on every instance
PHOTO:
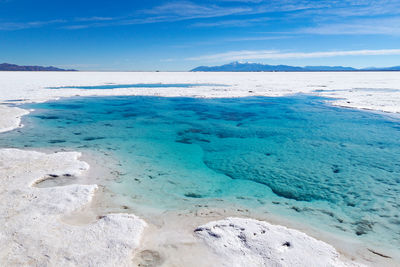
(254, 67)
(13, 67)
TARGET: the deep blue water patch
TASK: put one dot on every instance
(295, 155)
(139, 85)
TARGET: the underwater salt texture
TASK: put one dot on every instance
(333, 168)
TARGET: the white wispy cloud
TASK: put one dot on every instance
(214, 41)
(360, 8)
(10, 26)
(63, 23)
(257, 38)
(95, 18)
(378, 26)
(231, 23)
(272, 54)
(194, 10)
(242, 1)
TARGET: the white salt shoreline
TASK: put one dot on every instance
(116, 236)
(10, 118)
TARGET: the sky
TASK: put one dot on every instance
(179, 35)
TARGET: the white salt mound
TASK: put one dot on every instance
(248, 242)
(32, 233)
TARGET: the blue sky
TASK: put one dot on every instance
(180, 35)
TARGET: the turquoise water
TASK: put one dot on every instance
(139, 85)
(336, 169)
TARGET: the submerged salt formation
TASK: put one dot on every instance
(32, 232)
(247, 242)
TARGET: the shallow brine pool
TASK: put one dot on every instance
(335, 169)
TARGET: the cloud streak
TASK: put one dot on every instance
(231, 23)
(272, 54)
(11, 26)
(376, 26)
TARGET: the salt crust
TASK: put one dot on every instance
(32, 233)
(247, 242)
(10, 118)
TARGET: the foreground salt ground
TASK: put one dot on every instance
(247, 242)
(32, 232)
